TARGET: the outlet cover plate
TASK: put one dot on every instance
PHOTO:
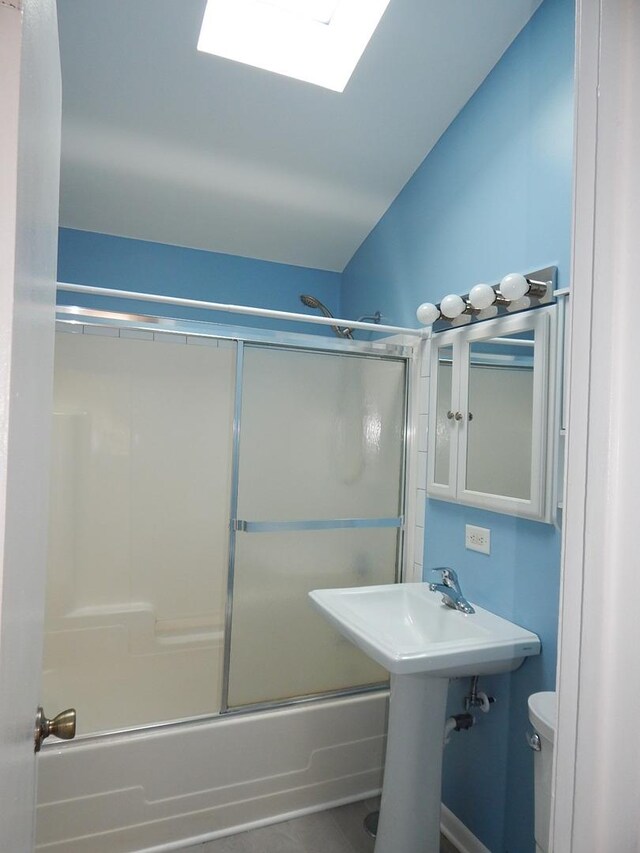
(477, 539)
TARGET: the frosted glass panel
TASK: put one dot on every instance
(280, 647)
(321, 439)
(322, 436)
(139, 529)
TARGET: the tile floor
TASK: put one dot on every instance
(338, 830)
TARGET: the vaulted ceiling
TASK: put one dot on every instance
(163, 143)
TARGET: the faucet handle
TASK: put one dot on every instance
(449, 576)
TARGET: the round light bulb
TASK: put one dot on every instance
(514, 286)
(452, 306)
(482, 296)
(427, 313)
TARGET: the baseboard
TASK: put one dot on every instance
(457, 833)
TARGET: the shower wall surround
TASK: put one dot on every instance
(494, 195)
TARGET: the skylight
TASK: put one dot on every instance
(319, 41)
(317, 10)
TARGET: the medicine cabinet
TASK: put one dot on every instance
(492, 414)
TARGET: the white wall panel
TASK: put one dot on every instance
(166, 789)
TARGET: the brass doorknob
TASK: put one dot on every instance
(63, 726)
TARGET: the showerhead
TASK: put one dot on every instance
(313, 302)
(310, 301)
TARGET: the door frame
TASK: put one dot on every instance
(598, 632)
(597, 758)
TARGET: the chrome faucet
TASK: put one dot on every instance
(451, 593)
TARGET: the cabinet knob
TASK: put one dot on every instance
(449, 414)
(459, 416)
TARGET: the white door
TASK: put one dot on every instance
(29, 177)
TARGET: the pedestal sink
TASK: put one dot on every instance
(422, 643)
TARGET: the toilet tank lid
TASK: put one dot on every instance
(542, 713)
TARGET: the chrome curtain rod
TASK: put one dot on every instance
(237, 309)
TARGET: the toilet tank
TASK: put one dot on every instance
(542, 714)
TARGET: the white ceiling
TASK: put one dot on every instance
(163, 143)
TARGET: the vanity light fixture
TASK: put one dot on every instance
(318, 41)
(514, 293)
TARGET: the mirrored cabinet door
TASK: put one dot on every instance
(493, 446)
(499, 420)
(445, 373)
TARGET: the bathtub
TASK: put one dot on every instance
(168, 787)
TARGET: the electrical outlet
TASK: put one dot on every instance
(477, 539)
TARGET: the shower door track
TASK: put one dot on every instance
(72, 315)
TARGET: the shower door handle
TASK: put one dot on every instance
(63, 725)
(243, 526)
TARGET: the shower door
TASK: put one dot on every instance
(141, 472)
(318, 495)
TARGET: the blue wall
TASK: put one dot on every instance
(494, 196)
(125, 264)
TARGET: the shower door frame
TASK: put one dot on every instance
(236, 525)
(404, 350)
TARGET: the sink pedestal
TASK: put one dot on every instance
(407, 629)
(410, 811)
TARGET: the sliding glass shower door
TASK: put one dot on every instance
(138, 544)
(317, 503)
(200, 488)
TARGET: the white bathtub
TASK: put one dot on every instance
(164, 789)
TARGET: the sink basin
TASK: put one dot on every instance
(423, 643)
(407, 629)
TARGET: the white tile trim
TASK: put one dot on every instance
(421, 497)
(102, 331)
(423, 395)
(423, 430)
